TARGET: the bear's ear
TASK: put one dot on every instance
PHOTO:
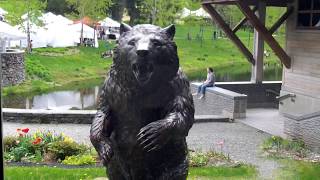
(124, 28)
(170, 31)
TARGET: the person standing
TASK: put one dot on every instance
(208, 83)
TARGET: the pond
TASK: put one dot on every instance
(86, 98)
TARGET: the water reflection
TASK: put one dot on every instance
(86, 99)
(59, 100)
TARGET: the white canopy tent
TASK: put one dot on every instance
(197, 13)
(108, 22)
(58, 32)
(185, 12)
(60, 35)
(88, 32)
(10, 34)
(201, 13)
(3, 12)
(50, 18)
(38, 35)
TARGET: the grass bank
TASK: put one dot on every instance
(53, 68)
(48, 173)
(292, 169)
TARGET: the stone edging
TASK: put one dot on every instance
(71, 116)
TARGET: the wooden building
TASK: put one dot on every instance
(299, 101)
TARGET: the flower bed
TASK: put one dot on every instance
(47, 147)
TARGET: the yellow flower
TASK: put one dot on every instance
(68, 139)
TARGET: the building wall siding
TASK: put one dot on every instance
(303, 80)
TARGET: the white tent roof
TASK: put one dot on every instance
(50, 18)
(185, 12)
(199, 13)
(108, 22)
(10, 33)
(63, 20)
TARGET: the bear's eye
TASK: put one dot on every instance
(132, 42)
(156, 42)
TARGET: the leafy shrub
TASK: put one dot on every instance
(79, 160)
(198, 159)
(277, 144)
(35, 70)
(9, 142)
(62, 149)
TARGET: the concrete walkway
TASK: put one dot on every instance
(267, 120)
(241, 142)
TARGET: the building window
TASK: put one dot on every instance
(308, 14)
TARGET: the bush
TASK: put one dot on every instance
(79, 160)
(62, 149)
(35, 70)
(278, 144)
(9, 142)
(198, 159)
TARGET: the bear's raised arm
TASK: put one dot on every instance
(177, 122)
(101, 128)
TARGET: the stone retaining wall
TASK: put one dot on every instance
(48, 116)
(71, 116)
(307, 130)
(13, 68)
(221, 102)
(259, 95)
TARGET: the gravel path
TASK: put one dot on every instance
(241, 142)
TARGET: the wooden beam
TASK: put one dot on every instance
(274, 45)
(280, 21)
(223, 25)
(243, 21)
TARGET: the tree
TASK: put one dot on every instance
(94, 9)
(161, 12)
(58, 7)
(117, 9)
(25, 13)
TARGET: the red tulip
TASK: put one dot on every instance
(25, 130)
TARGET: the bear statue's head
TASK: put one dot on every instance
(147, 53)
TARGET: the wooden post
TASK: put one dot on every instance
(231, 35)
(258, 47)
(274, 45)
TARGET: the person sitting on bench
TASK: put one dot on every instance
(208, 83)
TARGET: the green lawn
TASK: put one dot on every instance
(51, 68)
(48, 173)
(298, 170)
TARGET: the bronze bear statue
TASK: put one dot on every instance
(146, 108)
